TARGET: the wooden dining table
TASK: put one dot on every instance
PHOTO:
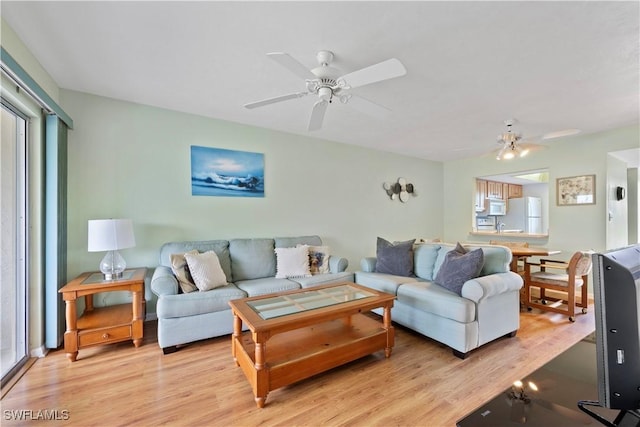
(523, 253)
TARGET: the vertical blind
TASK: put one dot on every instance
(55, 198)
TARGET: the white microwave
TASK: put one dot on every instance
(497, 207)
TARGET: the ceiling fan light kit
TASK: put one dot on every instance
(327, 83)
(511, 146)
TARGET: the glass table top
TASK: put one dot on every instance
(283, 305)
(548, 396)
(99, 277)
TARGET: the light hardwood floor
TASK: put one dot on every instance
(422, 384)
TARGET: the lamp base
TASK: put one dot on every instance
(112, 265)
(113, 276)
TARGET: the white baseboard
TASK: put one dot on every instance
(38, 351)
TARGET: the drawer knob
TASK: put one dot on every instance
(105, 336)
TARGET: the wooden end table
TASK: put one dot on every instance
(103, 325)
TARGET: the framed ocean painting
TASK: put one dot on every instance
(226, 173)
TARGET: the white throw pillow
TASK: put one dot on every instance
(205, 270)
(292, 262)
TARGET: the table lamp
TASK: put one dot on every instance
(111, 235)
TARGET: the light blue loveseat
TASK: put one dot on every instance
(250, 266)
(489, 307)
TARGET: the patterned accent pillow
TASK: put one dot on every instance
(459, 266)
(206, 270)
(319, 259)
(394, 258)
(292, 262)
(181, 271)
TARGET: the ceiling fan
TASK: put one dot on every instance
(329, 83)
(513, 146)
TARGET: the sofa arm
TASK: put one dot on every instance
(164, 282)
(491, 284)
(368, 264)
(337, 264)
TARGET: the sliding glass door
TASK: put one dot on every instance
(13, 238)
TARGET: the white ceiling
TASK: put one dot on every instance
(471, 65)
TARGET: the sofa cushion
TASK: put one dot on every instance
(424, 260)
(206, 270)
(192, 304)
(180, 269)
(220, 247)
(388, 283)
(324, 279)
(394, 258)
(266, 285)
(252, 258)
(459, 266)
(442, 253)
(497, 259)
(292, 262)
(433, 298)
(289, 242)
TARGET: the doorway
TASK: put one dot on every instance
(13, 241)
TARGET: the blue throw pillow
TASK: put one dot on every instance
(394, 258)
(459, 266)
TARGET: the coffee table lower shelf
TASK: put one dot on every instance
(301, 353)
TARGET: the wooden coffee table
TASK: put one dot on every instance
(295, 335)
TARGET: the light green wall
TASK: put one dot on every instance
(12, 44)
(571, 228)
(133, 161)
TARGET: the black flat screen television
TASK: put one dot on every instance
(616, 276)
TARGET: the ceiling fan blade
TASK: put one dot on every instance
(317, 114)
(374, 73)
(368, 107)
(560, 133)
(291, 64)
(274, 100)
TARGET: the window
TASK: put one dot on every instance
(13, 241)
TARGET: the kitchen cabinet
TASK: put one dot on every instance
(481, 194)
(494, 190)
(515, 191)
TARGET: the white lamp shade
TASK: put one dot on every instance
(110, 235)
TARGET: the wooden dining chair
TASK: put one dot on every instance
(520, 261)
(563, 278)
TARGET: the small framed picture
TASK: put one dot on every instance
(576, 190)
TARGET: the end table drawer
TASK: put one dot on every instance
(103, 336)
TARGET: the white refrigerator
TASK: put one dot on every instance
(524, 214)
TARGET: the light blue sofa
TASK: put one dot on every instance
(489, 307)
(250, 266)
